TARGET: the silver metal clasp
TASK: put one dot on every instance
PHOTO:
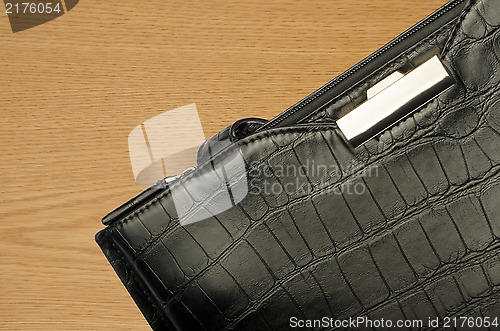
(393, 99)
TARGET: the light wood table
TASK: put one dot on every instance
(72, 89)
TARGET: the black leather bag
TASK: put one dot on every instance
(294, 222)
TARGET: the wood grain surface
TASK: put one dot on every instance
(72, 89)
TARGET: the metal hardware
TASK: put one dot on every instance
(171, 178)
(448, 11)
(393, 100)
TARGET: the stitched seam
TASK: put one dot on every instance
(262, 136)
(140, 283)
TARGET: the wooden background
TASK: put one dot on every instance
(72, 89)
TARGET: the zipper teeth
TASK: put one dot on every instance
(322, 90)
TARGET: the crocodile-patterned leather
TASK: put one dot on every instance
(421, 240)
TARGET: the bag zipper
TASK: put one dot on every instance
(281, 119)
